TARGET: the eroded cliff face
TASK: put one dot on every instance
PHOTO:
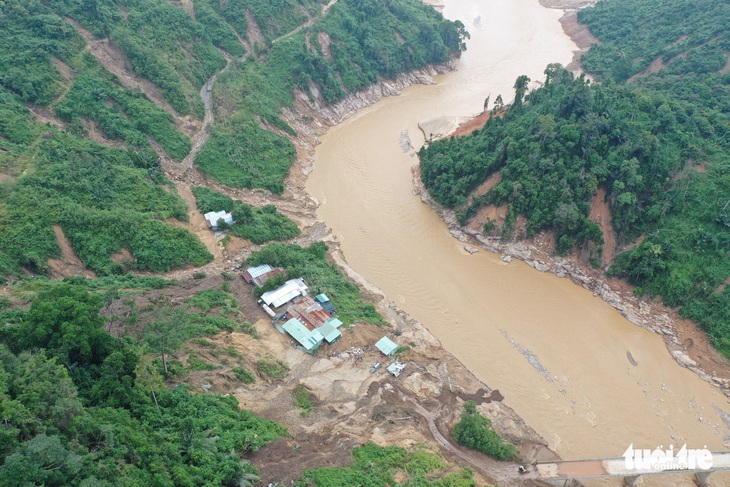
(311, 116)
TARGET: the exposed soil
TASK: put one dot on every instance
(68, 264)
(254, 31)
(186, 5)
(116, 62)
(726, 68)
(197, 224)
(45, 115)
(655, 66)
(353, 405)
(93, 133)
(575, 30)
(601, 214)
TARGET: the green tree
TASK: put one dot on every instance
(65, 321)
(42, 460)
(520, 89)
(473, 431)
(167, 332)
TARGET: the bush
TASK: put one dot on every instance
(303, 399)
(244, 375)
(473, 431)
(272, 369)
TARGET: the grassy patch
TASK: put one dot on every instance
(377, 465)
(272, 369)
(244, 375)
(302, 399)
(196, 363)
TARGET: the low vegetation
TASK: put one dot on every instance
(244, 375)
(272, 369)
(248, 147)
(321, 276)
(473, 431)
(302, 399)
(377, 465)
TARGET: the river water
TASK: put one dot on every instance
(557, 353)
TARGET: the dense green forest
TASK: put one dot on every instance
(658, 144)
(107, 200)
(80, 407)
(364, 40)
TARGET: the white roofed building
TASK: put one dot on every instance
(290, 290)
(214, 216)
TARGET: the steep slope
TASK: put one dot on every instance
(137, 77)
(657, 147)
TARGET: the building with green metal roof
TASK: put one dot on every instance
(329, 332)
(387, 346)
(310, 340)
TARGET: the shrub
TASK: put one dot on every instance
(244, 375)
(272, 369)
(473, 431)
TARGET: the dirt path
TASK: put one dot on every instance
(201, 136)
(68, 264)
(309, 23)
(505, 473)
(115, 61)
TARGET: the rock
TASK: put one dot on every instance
(506, 258)
(683, 359)
(470, 249)
(538, 265)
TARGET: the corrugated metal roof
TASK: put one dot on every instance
(290, 290)
(257, 271)
(322, 298)
(309, 312)
(214, 216)
(396, 368)
(387, 346)
(335, 322)
(329, 332)
(310, 340)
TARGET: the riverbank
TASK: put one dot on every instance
(531, 335)
(356, 406)
(578, 32)
(472, 298)
(686, 342)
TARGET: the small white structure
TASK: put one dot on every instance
(214, 216)
(396, 368)
(290, 290)
(269, 311)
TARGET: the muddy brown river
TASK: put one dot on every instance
(557, 353)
